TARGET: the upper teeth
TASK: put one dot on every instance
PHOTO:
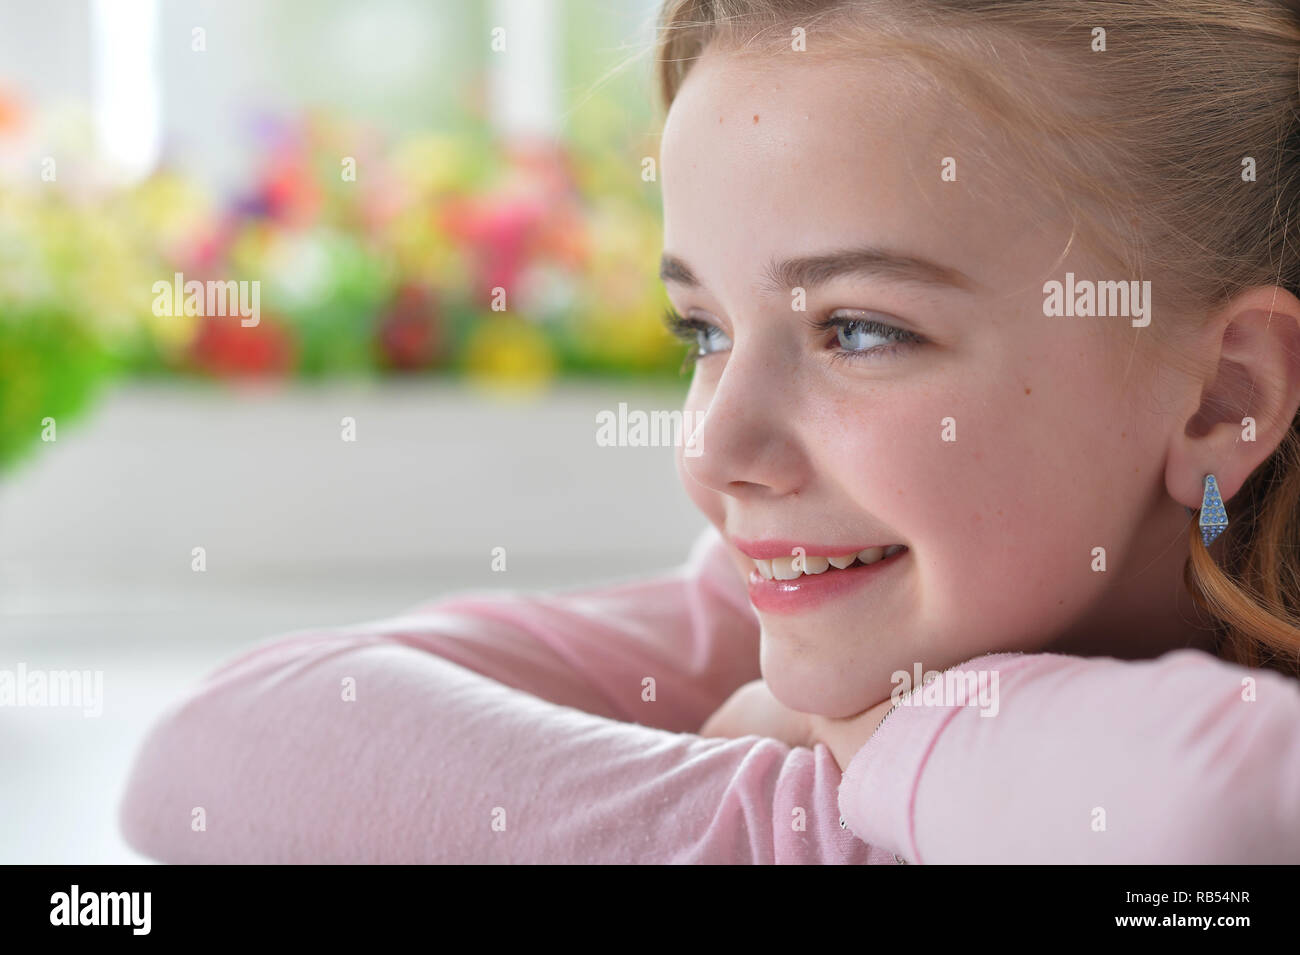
(788, 568)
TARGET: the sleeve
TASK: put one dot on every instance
(476, 730)
(664, 651)
(1185, 759)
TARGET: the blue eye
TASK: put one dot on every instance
(855, 337)
(705, 337)
(862, 337)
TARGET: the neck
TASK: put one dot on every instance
(1151, 612)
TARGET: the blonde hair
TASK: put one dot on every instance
(1159, 190)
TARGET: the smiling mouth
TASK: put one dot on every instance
(804, 583)
(808, 565)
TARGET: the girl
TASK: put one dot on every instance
(984, 297)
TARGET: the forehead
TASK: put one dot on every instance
(796, 152)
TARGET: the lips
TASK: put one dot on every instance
(814, 580)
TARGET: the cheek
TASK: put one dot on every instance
(993, 494)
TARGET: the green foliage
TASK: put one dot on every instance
(50, 366)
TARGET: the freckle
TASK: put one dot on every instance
(1059, 602)
(1123, 434)
(755, 119)
(1028, 390)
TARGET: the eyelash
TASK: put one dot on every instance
(686, 329)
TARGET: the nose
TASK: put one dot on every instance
(749, 442)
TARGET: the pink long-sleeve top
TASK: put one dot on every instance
(500, 726)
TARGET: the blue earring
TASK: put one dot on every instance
(1213, 517)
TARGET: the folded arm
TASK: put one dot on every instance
(1090, 760)
(353, 749)
(491, 727)
(663, 650)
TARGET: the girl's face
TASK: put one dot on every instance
(1000, 446)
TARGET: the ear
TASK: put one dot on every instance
(1249, 392)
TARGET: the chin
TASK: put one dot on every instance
(811, 686)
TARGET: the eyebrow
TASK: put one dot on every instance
(809, 271)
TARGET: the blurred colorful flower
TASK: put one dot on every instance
(390, 269)
(505, 351)
(411, 334)
(226, 348)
